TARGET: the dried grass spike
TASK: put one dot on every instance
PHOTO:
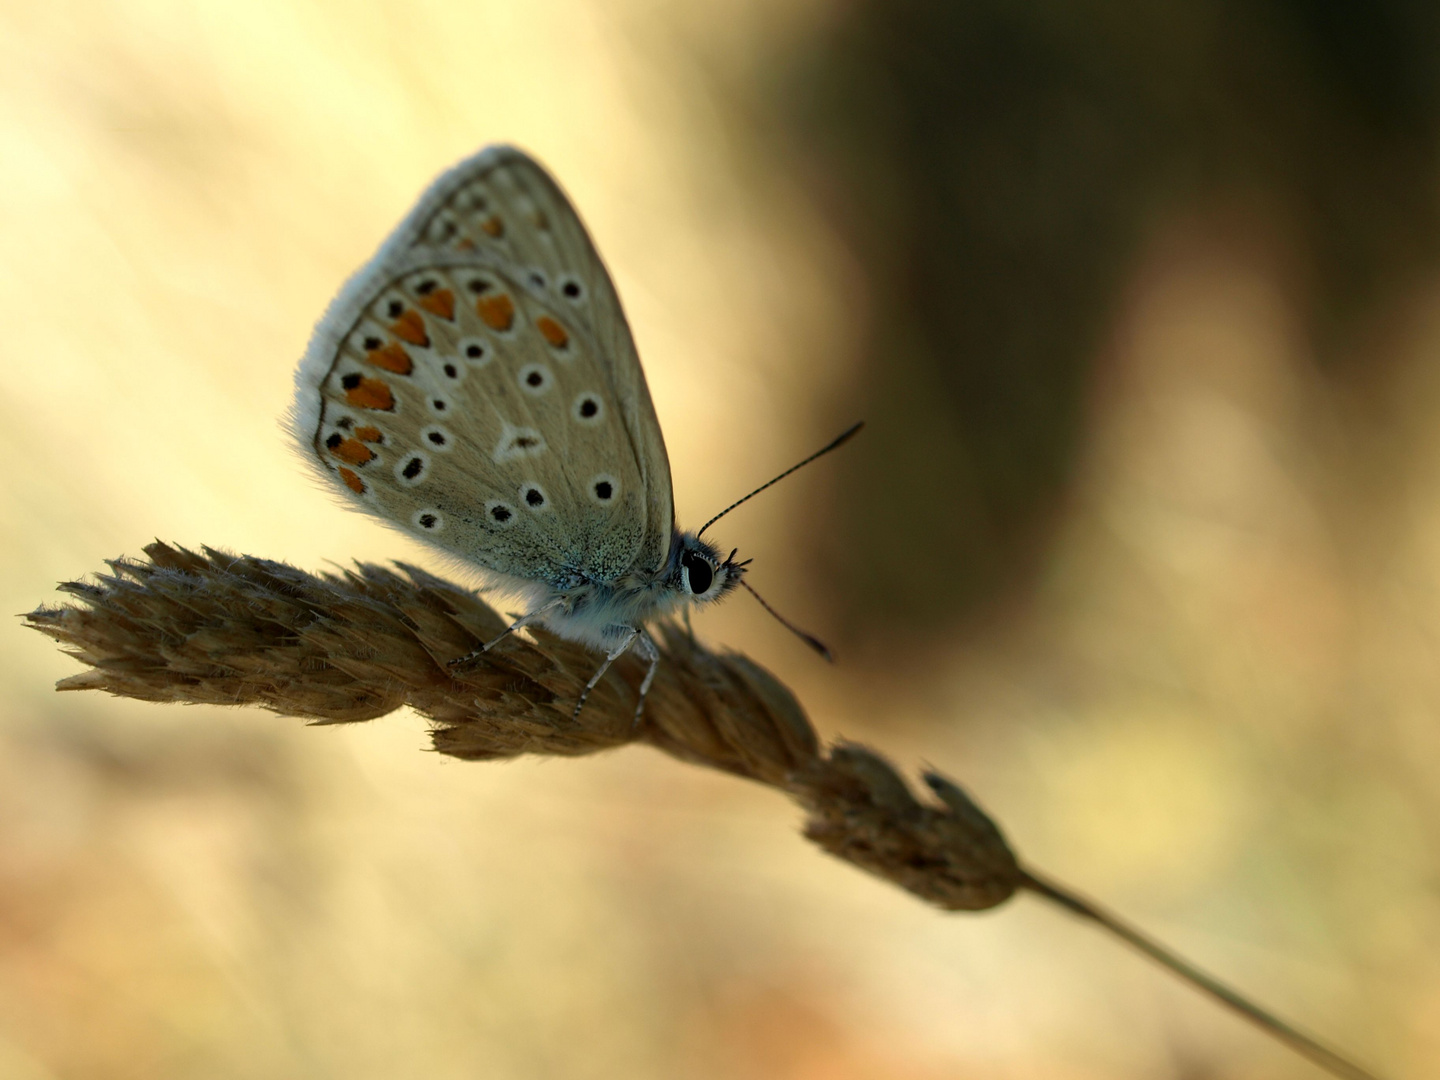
(216, 628)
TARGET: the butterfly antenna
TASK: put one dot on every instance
(809, 639)
(818, 453)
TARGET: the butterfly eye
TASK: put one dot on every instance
(699, 575)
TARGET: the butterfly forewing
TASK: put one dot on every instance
(478, 385)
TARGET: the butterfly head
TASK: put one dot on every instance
(700, 573)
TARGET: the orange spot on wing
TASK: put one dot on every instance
(370, 394)
(353, 451)
(353, 482)
(392, 357)
(552, 331)
(493, 226)
(465, 244)
(440, 302)
(411, 327)
(368, 434)
(497, 311)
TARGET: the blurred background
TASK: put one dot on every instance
(1141, 302)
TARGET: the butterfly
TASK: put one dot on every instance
(477, 385)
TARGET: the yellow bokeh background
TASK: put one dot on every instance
(1216, 709)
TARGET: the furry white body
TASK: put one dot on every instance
(599, 614)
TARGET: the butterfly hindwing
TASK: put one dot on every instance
(477, 384)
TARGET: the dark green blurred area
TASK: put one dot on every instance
(993, 167)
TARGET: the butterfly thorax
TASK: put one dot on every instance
(602, 613)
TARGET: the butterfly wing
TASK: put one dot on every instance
(477, 384)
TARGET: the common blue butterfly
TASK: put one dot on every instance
(477, 385)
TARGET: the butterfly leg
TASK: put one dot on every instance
(610, 657)
(651, 653)
(519, 624)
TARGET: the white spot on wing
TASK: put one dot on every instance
(533, 497)
(438, 438)
(516, 443)
(390, 306)
(474, 350)
(573, 289)
(499, 514)
(424, 283)
(360, 341)
(534, 379)
(442, 229)
(412, 468)
(479, 284)
(588, 408)
(603, 489)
